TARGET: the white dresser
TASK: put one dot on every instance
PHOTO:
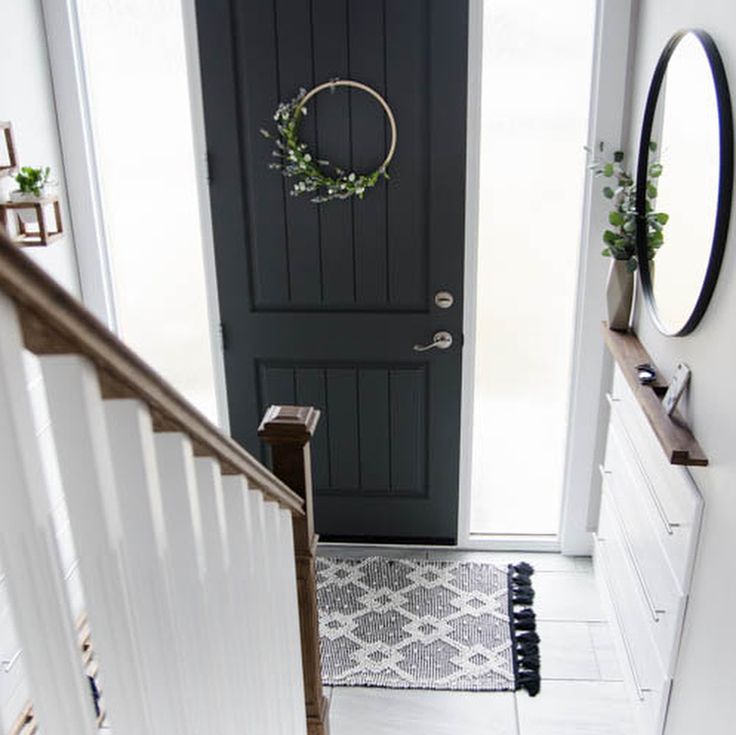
(644, 552)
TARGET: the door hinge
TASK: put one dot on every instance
(222, 332)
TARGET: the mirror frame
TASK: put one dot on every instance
(725, 183)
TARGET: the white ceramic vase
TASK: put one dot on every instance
(619, 295)
(27, 216)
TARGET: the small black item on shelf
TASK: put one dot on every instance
(646, 373)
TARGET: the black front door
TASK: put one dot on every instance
(322, 304)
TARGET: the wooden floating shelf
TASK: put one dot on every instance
(677, 441)
(43, 208)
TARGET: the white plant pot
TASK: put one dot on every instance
(619, 295)
(27, 216)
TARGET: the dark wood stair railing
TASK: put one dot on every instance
(288, 431)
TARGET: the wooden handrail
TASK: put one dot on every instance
(54, 322)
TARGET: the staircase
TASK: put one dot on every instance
(196, 562)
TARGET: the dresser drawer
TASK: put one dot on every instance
(645, 675)
(654, 580)
(12, 705)
(12, 674)
(671, 500)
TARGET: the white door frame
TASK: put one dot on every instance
(83, 181)
(591, 370)
(80, 166)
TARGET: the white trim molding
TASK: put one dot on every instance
(591, 371)
(78, 151)
(472, 204)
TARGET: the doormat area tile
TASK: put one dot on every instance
(418, 624)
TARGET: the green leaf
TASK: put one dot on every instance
(609, 237)
(662, 217)
(606, 252)
(608, 170)
(651, 191)
(655, 170)
(616, 218)
(618, 156)
(608, 192)
(652, 145)
(631, 265)
(630, 225)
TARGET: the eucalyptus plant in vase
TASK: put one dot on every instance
(620, 237)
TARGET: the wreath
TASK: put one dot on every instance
(296, 162)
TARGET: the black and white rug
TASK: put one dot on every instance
(417, 624)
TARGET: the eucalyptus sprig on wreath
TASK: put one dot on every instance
(295, 161)
(621, 239)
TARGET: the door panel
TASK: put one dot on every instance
(322, 304)
(373, 434)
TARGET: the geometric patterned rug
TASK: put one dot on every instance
(419, 624)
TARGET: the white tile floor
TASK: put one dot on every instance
(582, 692)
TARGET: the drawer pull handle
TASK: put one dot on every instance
(8, 663)
(640, 690)
(654, 611)
(661, 512)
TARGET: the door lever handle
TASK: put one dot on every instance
(440, 340)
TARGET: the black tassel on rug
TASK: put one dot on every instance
(524, 628)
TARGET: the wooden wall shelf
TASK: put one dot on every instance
(8, 159)
(677, 441)
(43, 227)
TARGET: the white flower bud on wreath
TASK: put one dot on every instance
(296, 161)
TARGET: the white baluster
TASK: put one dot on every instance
(280, 610)
(264, 647)
(290, 601)
(274, 612)
(244, 594)
(214, 530)
(180, 499)
(80, 435)
(60, 692)
(145, 548)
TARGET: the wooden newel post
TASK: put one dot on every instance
(288, 430)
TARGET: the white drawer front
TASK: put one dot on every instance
(646, 678)
(671, 500)
(13, 692)
(654, 581)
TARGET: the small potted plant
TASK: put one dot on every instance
(33, 184)
(620, 237)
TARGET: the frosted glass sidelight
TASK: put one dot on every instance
(537, 61)
(145, 150)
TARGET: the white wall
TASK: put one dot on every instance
(705, 682)
(26, 99)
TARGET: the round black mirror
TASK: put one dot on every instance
(684, 181)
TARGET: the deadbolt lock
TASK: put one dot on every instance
(444, 299)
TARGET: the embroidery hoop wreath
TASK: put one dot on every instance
(295, 160)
